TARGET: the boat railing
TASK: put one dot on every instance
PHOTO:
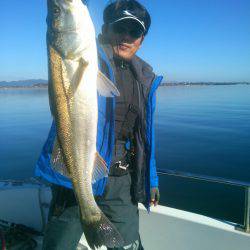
(231, 182)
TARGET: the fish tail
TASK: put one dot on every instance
(102, 233)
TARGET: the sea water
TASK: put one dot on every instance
(204, 130)
(199, 129)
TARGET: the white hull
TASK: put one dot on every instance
(172, 229)
(163, 229)
(25, 203)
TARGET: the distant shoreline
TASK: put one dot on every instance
(202, 83)
(165, 84)
(36, 86)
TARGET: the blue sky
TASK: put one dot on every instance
(189, 40)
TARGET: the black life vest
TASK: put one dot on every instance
(126, 108)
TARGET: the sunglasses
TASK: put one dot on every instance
(120, 29)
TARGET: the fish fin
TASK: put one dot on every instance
(78, 75)
(56, 159)
(102, 233)
(106, 87)
(100, 168)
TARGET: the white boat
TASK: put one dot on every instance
(165, 228)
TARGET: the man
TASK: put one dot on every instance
(125, 136)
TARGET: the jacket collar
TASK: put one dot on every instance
(143, 71)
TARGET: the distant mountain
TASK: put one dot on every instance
(25, 83)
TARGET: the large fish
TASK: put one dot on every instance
(73, 82)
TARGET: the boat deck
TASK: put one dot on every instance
(164, 228)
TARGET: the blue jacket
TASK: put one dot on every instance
(105, 130)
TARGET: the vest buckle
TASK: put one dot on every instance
(120, 165)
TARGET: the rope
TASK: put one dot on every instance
(3, 240)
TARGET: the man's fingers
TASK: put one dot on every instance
(155, 196)
(152, 202)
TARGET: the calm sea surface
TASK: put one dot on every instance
(199, 129)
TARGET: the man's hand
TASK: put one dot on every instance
(154, 196)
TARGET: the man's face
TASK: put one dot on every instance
(125, 38)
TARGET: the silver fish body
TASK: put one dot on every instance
(73, 77)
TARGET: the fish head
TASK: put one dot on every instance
(70, 27)
(65, 15)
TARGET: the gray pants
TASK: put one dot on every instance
(64, 229)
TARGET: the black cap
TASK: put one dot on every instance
(120, 10)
